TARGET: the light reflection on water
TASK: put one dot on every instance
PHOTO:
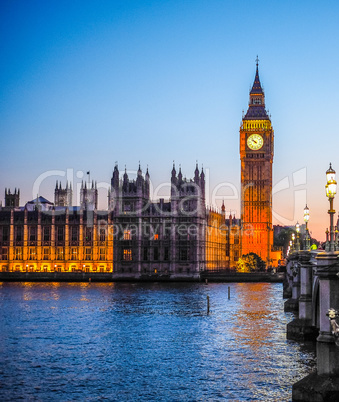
(147, 342)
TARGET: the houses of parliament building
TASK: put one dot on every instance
(138, 238)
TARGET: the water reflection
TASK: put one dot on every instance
(147, 342)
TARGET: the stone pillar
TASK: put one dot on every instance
(53, 245)
(173, 248)
(287, 284)
(306, 280)
(95, 240)
(292, 304)
(10, 255)
(138, 243)
(67, 242)
(296, 281)
(301, 328)
(81, 254)
(109, 241)
(323, 385)
(25, 250)
(327, 351)
(39, 237)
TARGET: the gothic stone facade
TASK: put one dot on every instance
(135, 238)
(161, 238)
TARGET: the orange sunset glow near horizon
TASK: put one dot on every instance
(84, 86)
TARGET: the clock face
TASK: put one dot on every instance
(255, 141)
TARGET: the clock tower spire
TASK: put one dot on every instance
(256, 155)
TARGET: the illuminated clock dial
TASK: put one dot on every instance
(255, 141)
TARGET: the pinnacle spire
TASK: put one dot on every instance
(256, 109)
(256, 88)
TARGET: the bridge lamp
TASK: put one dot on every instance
(331, 190)
(306, 219)
(292, 241)
(297, 229)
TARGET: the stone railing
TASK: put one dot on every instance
(312, 285)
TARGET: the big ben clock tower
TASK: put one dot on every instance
(256, 155)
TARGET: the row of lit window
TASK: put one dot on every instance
(128, 235)
(46, 268)
(32, 255)
(46, 233)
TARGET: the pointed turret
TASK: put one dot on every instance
(147, 183)
(256, 107)
(125, 176)
(174, 172)
(125, 181)
(196, 174)
(179, 176)
(115, 178)
(223, 209)
(202, 175)
(174, 175)
(256, 88)
(140, 179)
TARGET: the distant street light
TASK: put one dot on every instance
(331, 190)
(297, 229)
(307, 235)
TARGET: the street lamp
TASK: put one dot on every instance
(331, 189)
(293, 239)
(306, 219)
(297, 229)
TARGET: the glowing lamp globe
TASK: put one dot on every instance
(297, 227)
(306, 214)
(331, 186)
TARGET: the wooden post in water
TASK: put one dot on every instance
(229, 293)
(206, 281)
(208, 304)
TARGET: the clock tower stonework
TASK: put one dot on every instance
(256, 155)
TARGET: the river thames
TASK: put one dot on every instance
(147, 342)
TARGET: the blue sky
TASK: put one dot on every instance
(84, 84)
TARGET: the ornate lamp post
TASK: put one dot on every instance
(331, 190)
(297, 229)
(307, 235)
